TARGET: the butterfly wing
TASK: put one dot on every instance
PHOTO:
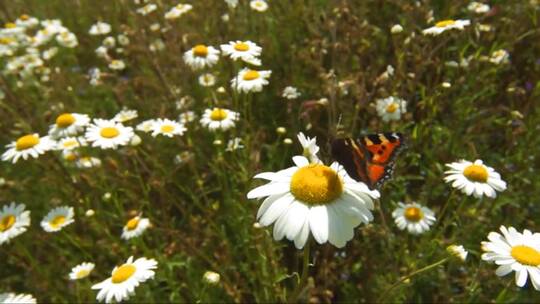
(352, 157)
(370, 159)
(382, 150)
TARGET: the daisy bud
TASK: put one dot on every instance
(221, 90)
(458, 251)
(287, 141)
(446, 85)
(217, 142)
(90, 212)
(211, 277)
(281, 130)
(256, 225)
(135, 140)
(396, 29)
(107, 196)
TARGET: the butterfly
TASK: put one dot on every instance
(369, 159)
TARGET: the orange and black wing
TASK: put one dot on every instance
(370, 159)
(352, 157)
(381, 151)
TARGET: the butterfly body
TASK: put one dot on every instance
(369, 159)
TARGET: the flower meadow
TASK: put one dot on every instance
(156, 151)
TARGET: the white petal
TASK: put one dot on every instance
(521, 277)
(268, 189)
(302, 237)
(276, 210)
(300, 161)
(296, 217)
(503, 270)
(318, 222)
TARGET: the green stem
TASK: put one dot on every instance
(387, 292)
(303, 278)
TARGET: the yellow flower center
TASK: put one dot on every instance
(167, 128)
(251, 74)
(6, 40)
(218, 114)
(476, 173)
(82, 273)
(109, 132)
(413, 214)
(133, 223)
(57, 221)
(445, 23)
(26, 142)
(24, 17)
(123, 273)
(391, 108)
(65, 120)
(70, 157)
(10, 25)
(70, 143)
(7, 222)
(200, 50)
(241, 47)
(316, 184)
(526, 255)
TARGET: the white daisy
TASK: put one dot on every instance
(244, 50)
(314, 198)
(207, 80)
(186, 117)
(250, 80)
(201, 56)
(13, 221)
(413, 217)
(11, 298)
(499, 57)
(26, 21)
(444, 25)
(178, 11)
(100, 28)
(391, 108)
(71, 143)
(147, 9)
(310, 147)
(146, 126)
(121, 285)
(28, 145)
(108, 134)
(167, 127)
(135, 227)
(219, 118)
(67, 39)
(117, 65)
(478, 7)
(258, 5)
(86, 162)
(290, 93)
(81, 271)
(234, 144)
(58, 218)
(67, 124)
(514, 251)
(458, 251)
(211, 277)
(474, 178)
(125, 115)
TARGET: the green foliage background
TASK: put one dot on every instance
(202, 219)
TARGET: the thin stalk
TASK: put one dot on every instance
(387, 292)
(303, 278)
